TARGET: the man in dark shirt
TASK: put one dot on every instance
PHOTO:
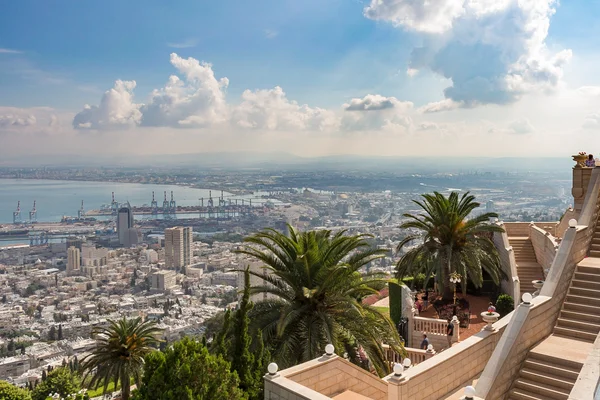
(424, 343)
(450, 332)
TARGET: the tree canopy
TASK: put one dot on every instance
(316, 289)
(61, 381)
(452, 241)
(119, 353)
(187, 371)
(9, 391)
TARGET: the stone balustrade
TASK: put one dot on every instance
(430, 325)
(416, 356)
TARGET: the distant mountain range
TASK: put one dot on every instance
(285, 161)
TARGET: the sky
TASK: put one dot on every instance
(441, 78)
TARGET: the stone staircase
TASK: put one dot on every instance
(528, 268)
(595, 246)
(579, 319)
(551, 368)
(545, 377)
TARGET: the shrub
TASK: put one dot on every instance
(11, 392)
(504, 304)
(395, 302)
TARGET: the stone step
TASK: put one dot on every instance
(555, 360)
(547, 379)
(580, 325)
(595, 247)
(519, 394)
(585, 300)
(587, 277)
(596, 238)
(580, 308)
(580, 316)
(594, 253)
(585, 284)
(575, 334)
(593, 293)
(588, 270)
(566, 372)
(547, 392)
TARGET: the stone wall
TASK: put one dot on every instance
(507, 262)
(440, 375)
(581, 179)
(544, 245)
(324, 378)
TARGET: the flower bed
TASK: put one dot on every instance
(448, 310)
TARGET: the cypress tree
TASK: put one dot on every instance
(242, 359)
(52, 333)
(262, 359)
(60, 333)
(221, 343)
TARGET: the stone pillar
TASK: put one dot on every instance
(581, 179)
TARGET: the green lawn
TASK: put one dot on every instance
(383, 310)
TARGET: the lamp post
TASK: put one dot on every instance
(455, 278)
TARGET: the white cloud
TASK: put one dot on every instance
(589, 90)
(428, 126)
(116, 110)
(411, 72)
(418, 15)
(9, 51)
(494, 51)
(16, 120)
(197, 100)
(43, 120)
(592, 121)
(438, 106)
(522, 126)
(376, 112)
(270, 109)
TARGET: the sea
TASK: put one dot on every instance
(55, 199)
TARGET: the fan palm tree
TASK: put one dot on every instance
(119, 353)
(315, 293)
(452, 242)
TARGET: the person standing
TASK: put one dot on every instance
(450, 332)
(424, 343)
(425, 298)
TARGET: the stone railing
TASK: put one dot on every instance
(545, 246)
(564, 222)
(430, 325)
(511, 285)
(416, 356)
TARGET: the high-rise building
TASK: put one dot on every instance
(73, 260)
(162, 280)
(124, 224)
(178, 247)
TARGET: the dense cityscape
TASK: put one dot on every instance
(68, 277)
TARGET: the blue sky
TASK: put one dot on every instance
(62, 55)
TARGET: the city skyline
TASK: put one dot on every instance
(388, 78)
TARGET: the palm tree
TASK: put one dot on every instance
(119, 353)
(315, 293)
(451, 242)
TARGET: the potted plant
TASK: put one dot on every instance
(580, 159)
(490, 316)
